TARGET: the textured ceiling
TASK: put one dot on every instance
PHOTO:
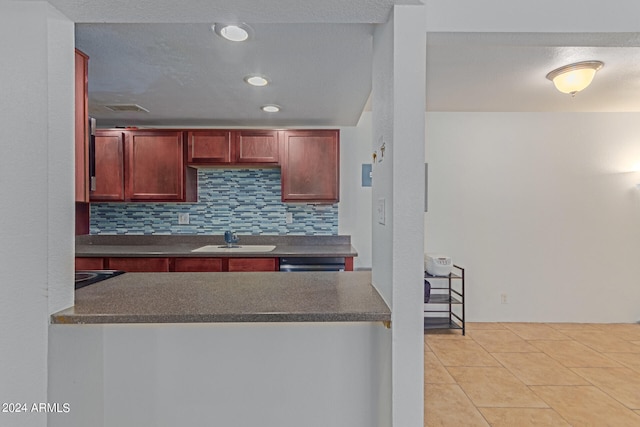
(162, 55)
(184, 74)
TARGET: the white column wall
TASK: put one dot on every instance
(36, 184)
(398, 178)
(61, 161)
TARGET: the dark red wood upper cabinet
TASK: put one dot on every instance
(257, 146)
(81, 127)
(155, 168)
(311, 166)
(226, 147)
(109, 153)
(210, 147)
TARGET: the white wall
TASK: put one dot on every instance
(244, 374)
(354, 210)
(36, 213)
(541, 207)
(398, 101)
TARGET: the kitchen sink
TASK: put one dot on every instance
(235, 248)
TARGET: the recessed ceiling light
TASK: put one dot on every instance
(270, 108)
(255, 80)
(234, 32)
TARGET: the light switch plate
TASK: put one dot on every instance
(381, 210)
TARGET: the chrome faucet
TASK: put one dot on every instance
(230, 238)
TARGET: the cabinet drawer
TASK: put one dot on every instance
(253, 264)
(197, 264)
(139, 264)
(89, 264)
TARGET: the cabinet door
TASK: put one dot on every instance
(155, 167)
(82, 127)
(210, 147)
(197, 264)
(147, 265)
(109, 153)
(253, 264)
(311, 166)
(257, 146)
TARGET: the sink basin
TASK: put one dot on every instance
(235, 248)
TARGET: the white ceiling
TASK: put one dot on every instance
(163, 56)
(506, 71)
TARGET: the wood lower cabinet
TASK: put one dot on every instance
(177, 264)
(148, 265)
(155, 168)
(109, 180)
(348, 263)
(311, 166)
(197, 264)
(253, 264)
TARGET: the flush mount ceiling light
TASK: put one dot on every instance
(234, 32)
(270, 108)
(573, 78)
(256, 80)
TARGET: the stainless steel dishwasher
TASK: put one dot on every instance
(291, 264)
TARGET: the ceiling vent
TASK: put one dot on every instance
(126, 107)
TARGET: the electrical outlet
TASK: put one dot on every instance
(503, 298)
(183, 218)
(289, 218)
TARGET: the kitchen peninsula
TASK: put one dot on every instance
(194, 348)
(228, 297)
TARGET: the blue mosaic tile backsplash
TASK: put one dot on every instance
(246, 201)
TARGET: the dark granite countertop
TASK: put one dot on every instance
(183, 246)
(228, 297)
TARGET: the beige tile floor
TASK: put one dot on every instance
(533, 374)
